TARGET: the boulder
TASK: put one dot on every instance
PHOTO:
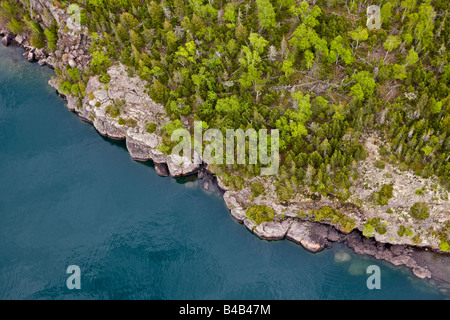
(72, 63)
(182, 166)
(235, 208)
(18, 39)
(142, 146)
(161, 169)
(303, 233)
(6, 40)
(30, 56)
(270, 230)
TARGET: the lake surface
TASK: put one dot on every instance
(70, 197)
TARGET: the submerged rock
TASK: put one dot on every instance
(342, 256)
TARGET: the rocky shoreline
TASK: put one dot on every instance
(142, 146)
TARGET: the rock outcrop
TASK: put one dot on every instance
(6, 40)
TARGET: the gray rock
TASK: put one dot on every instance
(161, 169)
(141, 146)
(235, 208)
(72, 103)
(182, 166)
(72, 63)
(30, 56)
(18, 39)
(271, 230)
(303, 233)
(107, 128)
(6, 40)
(221, 185)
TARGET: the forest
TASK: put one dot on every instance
(311, 69)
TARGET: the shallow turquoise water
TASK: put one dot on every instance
(70, 197)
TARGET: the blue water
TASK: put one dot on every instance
(70, 197)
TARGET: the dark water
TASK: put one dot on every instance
(70, 197)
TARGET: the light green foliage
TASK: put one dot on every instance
(309, 59)
(15, 26)
(303, 105)
(287, 67)
(228, 105)
(187, 51)
(100, 62)
(171, 126)
(412, 57)
(368, 230)
(391, 43)
(386, 12)
(266, 14)
(365, 85)
(444, 246)
(337, 50)
(304, 37)
(230, 15)
(360, 34)
(52, 37)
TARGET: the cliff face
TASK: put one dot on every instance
(135, 110)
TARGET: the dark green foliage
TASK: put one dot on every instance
(51, 35)
(334, 216)
(260, 214)
(114, 109)
(419, 211)
(374, 225)
(405, 231)
(257, 189)
(382, 197)
(151, 127)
